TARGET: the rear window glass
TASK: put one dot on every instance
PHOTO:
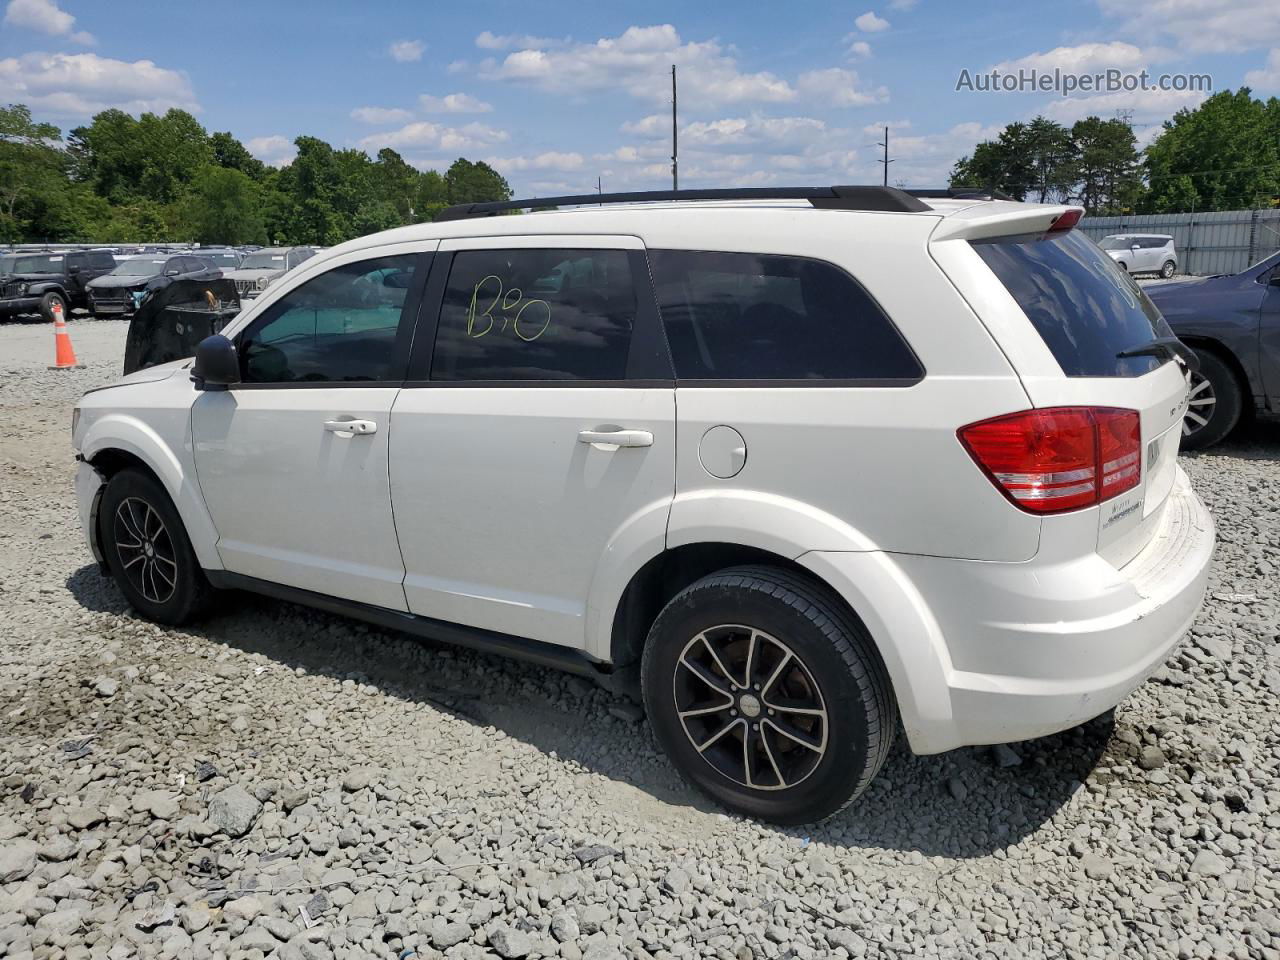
(1083, 305)
(744, 316)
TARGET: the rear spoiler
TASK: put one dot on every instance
(983, 221)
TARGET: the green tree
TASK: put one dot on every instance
(231, 153)
(1108, 168)
(222, 207)
(1223, 155)
(468, 182)
(32, 172)
(1053, 159)
(1006, 163)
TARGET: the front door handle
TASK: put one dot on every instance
(617, 438)
(355, 427)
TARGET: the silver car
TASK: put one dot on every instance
(1143, 252)
(263, 267)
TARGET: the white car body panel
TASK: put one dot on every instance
(478, 505)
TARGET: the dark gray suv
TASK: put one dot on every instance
(125, 287)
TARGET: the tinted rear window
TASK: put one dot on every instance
(1084, 306)
(744, 316)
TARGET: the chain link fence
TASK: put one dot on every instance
(1225, 241)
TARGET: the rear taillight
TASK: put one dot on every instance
(1059, 458)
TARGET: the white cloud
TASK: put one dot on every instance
(860, 48)
(1083, 58)
(1146, 106)
(760, 130)
(1201, 26)
(902, 4)
(45, 16)
(639, 62)
(81, 84)
(381, 115)
(654, 125)
(434, 136)
(1267, 78)
(837, 87)
(275, 150)
(513, 41)
(407, 51)
(870, 23)
(453, 103)
(551, 160)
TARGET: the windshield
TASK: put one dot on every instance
(6, 264)
(139, 268)
(1081, 303)
(263, 261)
(220, 259)
(43, 264)
(1116, 243)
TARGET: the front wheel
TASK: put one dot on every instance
(1166, 271)
(767, 694)
(1214, 403)
(50, 303)
(148, 551)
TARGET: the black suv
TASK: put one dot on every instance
(37, 281)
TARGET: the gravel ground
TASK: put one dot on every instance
(203, 792)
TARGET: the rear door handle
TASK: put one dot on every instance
(357, 427)
(617, 438)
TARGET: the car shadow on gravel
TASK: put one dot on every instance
(966, 803)
(1253, 440)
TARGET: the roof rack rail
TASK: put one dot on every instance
(883, 199)
(960, 193)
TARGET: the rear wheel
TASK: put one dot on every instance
(1213, 405)
(1166, 271)
(148, 551)
(767, 694)
(51, 301)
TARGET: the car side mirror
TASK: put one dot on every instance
(1136, 247)
(217, 365)
(73, 269)
(171, 273)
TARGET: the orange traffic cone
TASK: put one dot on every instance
(64, 355)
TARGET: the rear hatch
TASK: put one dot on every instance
(1089, 313)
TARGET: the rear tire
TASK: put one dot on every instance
(744, 661)
(148, 550)
(1166, 271)
(1216, 398)
(47, 303)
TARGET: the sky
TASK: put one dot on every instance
(556, 95)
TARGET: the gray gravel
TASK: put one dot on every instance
(281, 782)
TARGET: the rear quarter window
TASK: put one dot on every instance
(1085, 308)
(744, 316)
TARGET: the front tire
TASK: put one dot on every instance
(148, 550)
(47, 303)
(768, 695)
(1214, 404)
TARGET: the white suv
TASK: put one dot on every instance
(801, 466)
(1142, 252)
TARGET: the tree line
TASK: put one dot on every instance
(125, 179)
(1223, 155)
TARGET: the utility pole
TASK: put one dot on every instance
(675, 174)
(599, 187)
(886, 161)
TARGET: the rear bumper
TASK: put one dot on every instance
(1024, 650)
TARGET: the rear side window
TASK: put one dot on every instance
(1085, 307)
(743, 316)
(536, 314)
(102, 261)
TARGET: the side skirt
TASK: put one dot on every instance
(486, 641)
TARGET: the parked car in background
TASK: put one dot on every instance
(264, 267)
(40, 281)
(224, 259)
(120, 291)
(1232, 321)
(789, 469)
(1143, 252)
